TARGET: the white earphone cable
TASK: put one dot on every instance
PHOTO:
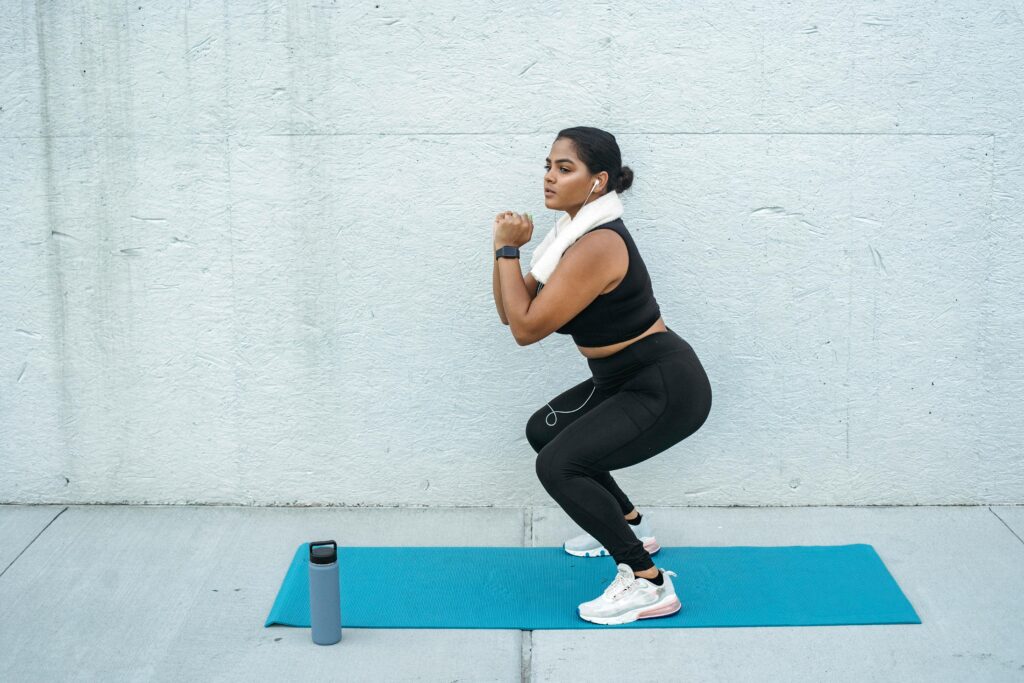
(553, 411)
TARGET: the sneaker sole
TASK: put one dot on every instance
(667, 607)
(650, 545)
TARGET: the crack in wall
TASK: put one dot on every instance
(33, 541)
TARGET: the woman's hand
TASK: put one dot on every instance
(512, 228)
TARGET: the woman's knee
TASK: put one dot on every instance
(556, 465)
(537, 432)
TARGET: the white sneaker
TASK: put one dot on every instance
(629, 598)
(586, 545)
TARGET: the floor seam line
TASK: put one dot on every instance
(526, 635)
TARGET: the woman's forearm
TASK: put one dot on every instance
(497, 294)
(514, 297)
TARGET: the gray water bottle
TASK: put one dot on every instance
(324, 593)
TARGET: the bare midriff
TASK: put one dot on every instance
(602, 351)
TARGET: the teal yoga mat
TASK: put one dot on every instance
(540, 588)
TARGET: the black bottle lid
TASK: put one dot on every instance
(323, 554)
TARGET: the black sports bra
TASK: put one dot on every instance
(623, 313)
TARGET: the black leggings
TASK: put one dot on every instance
(650, 395)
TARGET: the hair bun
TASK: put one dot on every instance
(625, 178)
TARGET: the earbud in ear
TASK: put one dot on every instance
(596, 183)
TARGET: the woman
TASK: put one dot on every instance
(648, 390)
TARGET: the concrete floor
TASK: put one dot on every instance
(96, 592)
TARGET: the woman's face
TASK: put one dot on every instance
(567, 182)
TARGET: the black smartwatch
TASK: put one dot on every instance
(507, 251)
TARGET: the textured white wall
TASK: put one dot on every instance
(245, 248)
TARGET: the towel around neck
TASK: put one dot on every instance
(546, 256)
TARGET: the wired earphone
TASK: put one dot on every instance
(553, 411)
(584, 202)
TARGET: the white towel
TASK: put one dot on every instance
(546, 256)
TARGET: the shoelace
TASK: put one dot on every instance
(621, 585)
(618, 586)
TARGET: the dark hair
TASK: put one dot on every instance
(598, 150)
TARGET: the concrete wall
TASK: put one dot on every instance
(245, 248)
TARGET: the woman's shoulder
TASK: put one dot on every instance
(613, 224)
(598, 231)
(616, 225)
